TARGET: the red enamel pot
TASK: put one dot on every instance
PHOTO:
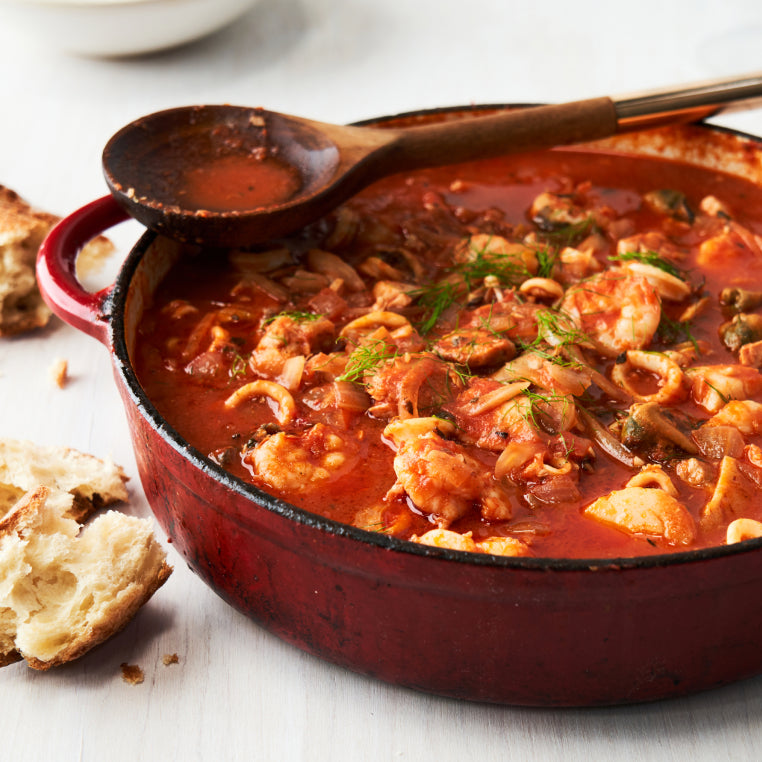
(525, 631)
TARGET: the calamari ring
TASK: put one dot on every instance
(671, 378)
(743, 529)
(279, 394)
(653, 476)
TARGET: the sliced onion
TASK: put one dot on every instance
(515, 455)
(350, 397)
(719, 441)
(497, 397)
(558, 490)
(607, 441)
(292, 372)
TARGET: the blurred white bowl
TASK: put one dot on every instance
(118, 27)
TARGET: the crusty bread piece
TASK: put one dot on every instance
(22, 230)
(93, 482)
(65, 588)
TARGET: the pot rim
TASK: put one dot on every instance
(115, 308)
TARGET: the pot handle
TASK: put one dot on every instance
(56, 272)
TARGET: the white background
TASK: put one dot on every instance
(238, 692)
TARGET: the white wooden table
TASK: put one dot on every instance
(238, 693)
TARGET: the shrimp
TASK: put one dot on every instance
(615, 311)
(714, 385)
(496, 546)
(410, 385)
(439, 476)
(289, 336)
(651, 242)
(305, 461)
(511, 316)
(744, 415)
(735, 250)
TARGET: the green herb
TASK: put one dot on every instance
(435, 300)
(239, 366)
(365, 358)
(379, 527)
(462, 373)
(648, 258)
(539, 417)
(724, 397)
(674, 331)
(546, 261)
(507, 269)
(568, 447)
(303, 317)
(558, 329)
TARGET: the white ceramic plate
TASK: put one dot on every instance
(118, 27)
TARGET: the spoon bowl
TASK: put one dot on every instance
(224, 175)
(203, 173)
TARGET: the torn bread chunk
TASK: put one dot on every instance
(65, 588)
(22, 230)
(93, 482)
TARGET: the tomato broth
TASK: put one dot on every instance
(551, 355)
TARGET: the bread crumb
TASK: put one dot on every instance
(59, 372)
(132, 674)
(170, 659)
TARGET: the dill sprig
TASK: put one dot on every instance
(558, 329)
(536, 413)
(435, 299)
(365, 358)
(546, 261)
(296, 315)
(723, 397)
(648, 258)
(507, 269)
(239, 366)
(675, 331)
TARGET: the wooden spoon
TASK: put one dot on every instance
(232, 176)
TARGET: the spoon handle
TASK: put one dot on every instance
(565, 124)
(522, 129)
(701, 100)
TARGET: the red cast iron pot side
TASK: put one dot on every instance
(524, 631)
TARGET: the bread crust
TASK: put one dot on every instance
(22, 230)
(94, 482)
(105, 603)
